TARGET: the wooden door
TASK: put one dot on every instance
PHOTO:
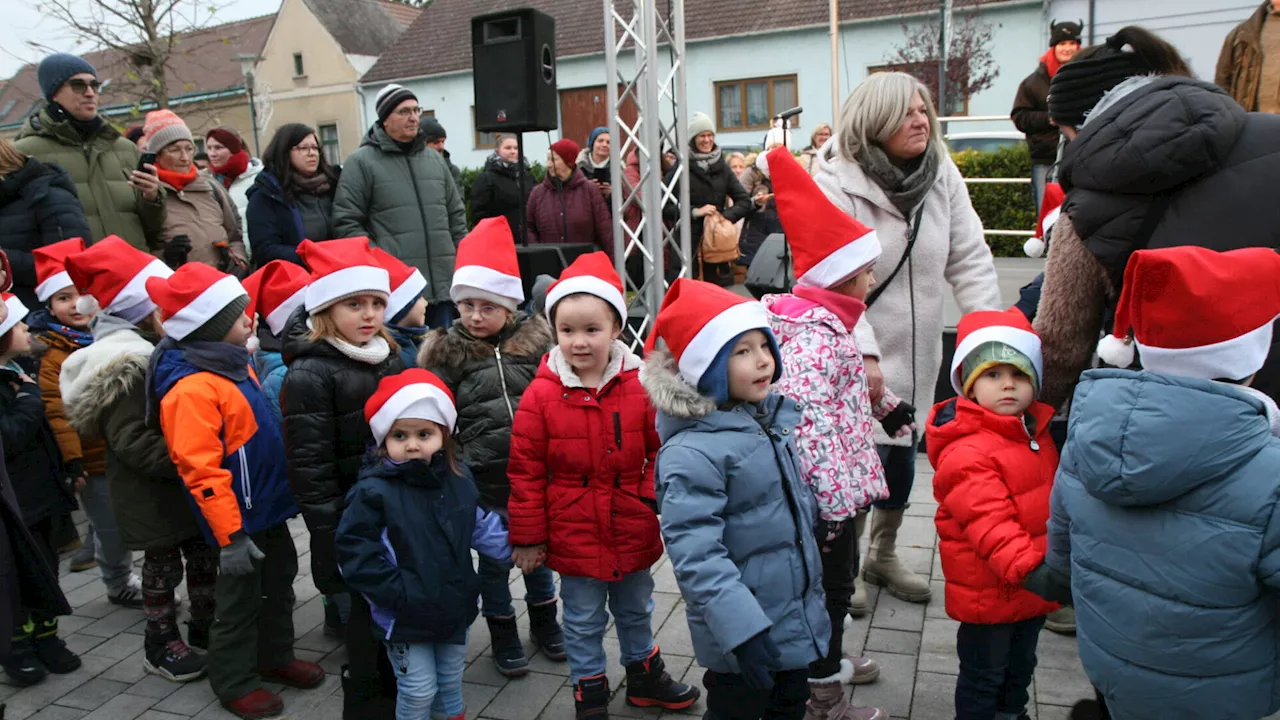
(585, 109)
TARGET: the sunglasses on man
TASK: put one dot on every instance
(79, 86)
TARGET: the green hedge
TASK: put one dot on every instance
(1001, 207)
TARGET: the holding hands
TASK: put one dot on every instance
(529, 558)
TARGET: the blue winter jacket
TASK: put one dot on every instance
(738, 523)
(409, 339)
(271, 370)
(405, 542)
(1165, 515)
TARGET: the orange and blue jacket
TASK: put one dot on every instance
(226, 442)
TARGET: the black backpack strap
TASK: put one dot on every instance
(911, 243)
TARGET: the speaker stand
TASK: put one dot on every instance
(520, 173)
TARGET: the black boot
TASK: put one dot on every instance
(333, 625)
(23, 666)
(591, 698)
(546, 631)
(362, 699)
(53, 651)
(508, 653)
(649, 685)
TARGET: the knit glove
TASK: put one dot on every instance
(827, 532)
(758, 658)
(898, 419)
(238, 556)
(1049, 584)
(175, 251)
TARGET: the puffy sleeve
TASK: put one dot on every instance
(969, 486)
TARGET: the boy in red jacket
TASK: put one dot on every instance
(994, 463)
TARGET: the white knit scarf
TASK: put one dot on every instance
(372, 352)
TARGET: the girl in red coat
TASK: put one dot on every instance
(994, 463)
(582, 494)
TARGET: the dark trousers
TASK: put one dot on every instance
(730, 698)
(253, 625)
(839, 566)
(899, 474)
(369, 688)
(44, 532)
(996, 666)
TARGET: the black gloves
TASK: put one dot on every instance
(898, 418)
(74, 469)
(1049, 584)
(758, 658)
(827, 532)
(229, 263)
(175, 251)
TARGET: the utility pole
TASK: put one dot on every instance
(945, 16)
(835, 63)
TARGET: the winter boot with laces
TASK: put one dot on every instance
(591, 698)
(23, 666)
(828, 702)
(649, 685)
(172, 659)
(52, 651)
(508, 653)
(546, 631)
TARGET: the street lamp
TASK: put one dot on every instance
(247, 63)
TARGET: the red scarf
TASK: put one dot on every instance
(1050, 60)
(235, 167)
(177, 180)
(846, 308)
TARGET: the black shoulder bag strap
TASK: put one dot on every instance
(911, 243)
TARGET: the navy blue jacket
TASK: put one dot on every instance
(405, 542)
(409, 339)
(274, 223)
(38, 207)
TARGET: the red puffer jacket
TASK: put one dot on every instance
(992, 482)
(581, 470)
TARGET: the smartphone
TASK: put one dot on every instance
(148, 158)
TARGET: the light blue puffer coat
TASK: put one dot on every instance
(1165, 514)
(738, 523)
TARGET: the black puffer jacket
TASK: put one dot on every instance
(325, 434)
(487, 378)
(713, 186)
(496, 192)
(38, 207)
(31, 452)
(1030, 115)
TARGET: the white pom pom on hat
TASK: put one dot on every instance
(1116, 351)
(1034, 247)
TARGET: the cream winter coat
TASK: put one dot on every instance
(950, 247)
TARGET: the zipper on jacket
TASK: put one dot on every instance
(1035, 444)
(617, 430)
(564, 215)
(426, 233)
(502, 380)
(246, 485)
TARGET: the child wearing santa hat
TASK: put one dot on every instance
(405, 541)
(43, 492)
(104, 395)
(337, 349)
(561, 470)
(406, 313)
(226, 443)
(737, 518)
(276, 291)
(487, 359)
(1166, 508)
(823, 367)
(994, 462)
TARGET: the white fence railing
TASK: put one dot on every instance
(989, 181)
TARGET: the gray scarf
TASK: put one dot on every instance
(705, 160)
(906, 187)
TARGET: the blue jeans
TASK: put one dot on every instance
(428, 678)
(997, 663)
(631, 601)
(899, 474)
(115, 561)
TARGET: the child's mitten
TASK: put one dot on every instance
(901, 418)
(758, 658)
(1049, 584)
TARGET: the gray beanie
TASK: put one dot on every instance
(59, 68)
(389, 98)
(700, 123)
(217, 327)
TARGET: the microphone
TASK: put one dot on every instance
(787, 115)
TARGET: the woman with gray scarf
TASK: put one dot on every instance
(888, 167)
(711, 185)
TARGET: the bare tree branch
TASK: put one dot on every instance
(971, 67)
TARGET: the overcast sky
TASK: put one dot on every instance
(23, 22)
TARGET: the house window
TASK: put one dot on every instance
(750, 104)
(329, 143)
(483, 140)
(927, 73)
(298, 70)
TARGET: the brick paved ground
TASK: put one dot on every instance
(915, 645)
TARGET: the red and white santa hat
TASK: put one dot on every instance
(1009, 327)
(1050, 209)
(192, 296)
(17, 311)
(111, 275)
(414, 393)
(697, 319)
(593, 274)
(486, 267)
(1196, 313)
(51, 267)
(407, 284)
(341, 269)
(828, 246)
(276, 290)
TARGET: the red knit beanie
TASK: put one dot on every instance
(568, 151)
(229, 139)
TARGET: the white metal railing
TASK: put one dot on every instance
(989, 181)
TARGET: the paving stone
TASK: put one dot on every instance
(86, 593)
(894, 614)
(128, 670)
(560, 707)
(937, 607)
(891, 641)
(1053, 712)
(525, 698)
(674, 634)
(81, 644)
(1061, 687)
(316, 640)
(154, 686)
(38, 697)
(938, 647)
(119, 647)
(121, 707)
(72, 580)
(114, 624)
(892, 692)
(92, 694)
(96, 608)
(477, 697)
(300, 703)
(484, 672)
(917, 532)
(58, 712)
(1058, 652)
(934, 697)
(157, 715)
(333, 662)
(308, 616)
(189, 699)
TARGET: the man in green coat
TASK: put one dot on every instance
(400, 194)
(117, 198)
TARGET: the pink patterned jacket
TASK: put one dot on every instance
(822, 368)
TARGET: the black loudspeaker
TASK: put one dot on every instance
(513, 61)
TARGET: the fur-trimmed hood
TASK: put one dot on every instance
(621, 360)
(671, 395)
(530, 336)
(95, 377)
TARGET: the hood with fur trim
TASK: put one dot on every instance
(453, 347)
(671, 395)
(621, 359)
(95, 377)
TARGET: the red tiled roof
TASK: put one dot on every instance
(202, 62)
(400, 12)
(439, 41)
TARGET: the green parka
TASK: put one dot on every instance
(100, 169)
(406, 202)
